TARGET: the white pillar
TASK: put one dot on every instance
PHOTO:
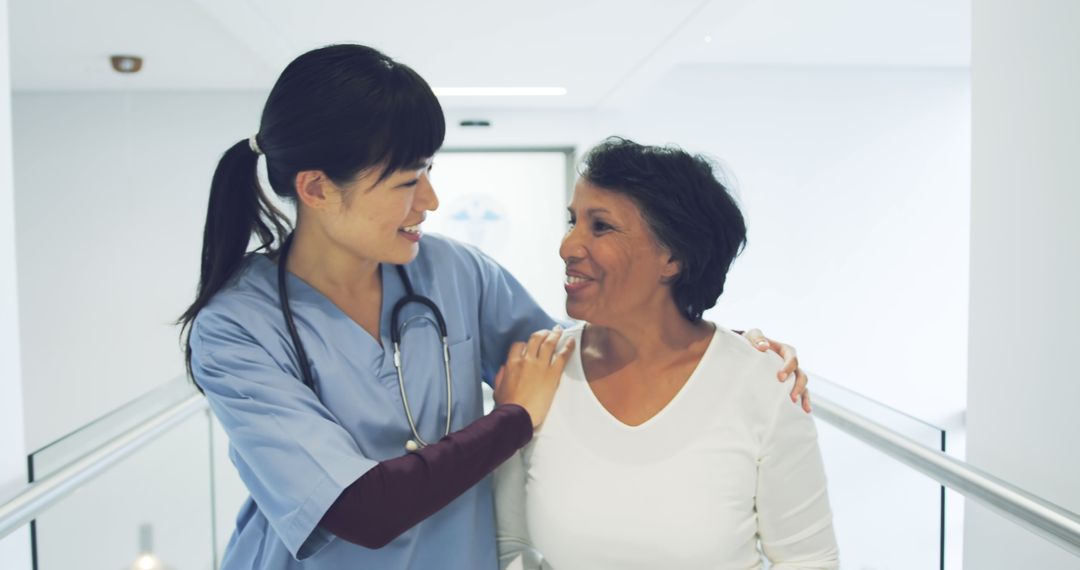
(14, 551)
(1023, 387)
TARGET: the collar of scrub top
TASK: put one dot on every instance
(410, 296)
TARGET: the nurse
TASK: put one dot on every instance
(356, 456)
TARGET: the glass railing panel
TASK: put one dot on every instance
(63, 451)
(887, 516)
(157, 501)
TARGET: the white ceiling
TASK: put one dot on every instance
(600, 50)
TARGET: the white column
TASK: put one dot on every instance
(1023, 387)
(14, 550)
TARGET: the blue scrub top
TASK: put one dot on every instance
(297, 452)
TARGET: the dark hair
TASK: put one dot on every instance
(688, 209)
(341, 109)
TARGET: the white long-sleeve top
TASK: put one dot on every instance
(728, 463)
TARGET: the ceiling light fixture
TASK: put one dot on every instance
(708, 38)
(126, 63)
(499, 91)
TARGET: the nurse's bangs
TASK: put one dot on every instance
(413, 126)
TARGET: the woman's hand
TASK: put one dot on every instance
(532, 373)
(791, 364)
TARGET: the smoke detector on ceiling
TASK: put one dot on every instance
(126, 63)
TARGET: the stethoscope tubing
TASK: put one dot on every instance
(416, 442)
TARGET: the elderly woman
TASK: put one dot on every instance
(665, 446)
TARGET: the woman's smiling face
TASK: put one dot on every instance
(380, 220)
(615, 269)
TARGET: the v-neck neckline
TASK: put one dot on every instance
(313, 295)
(664, 411)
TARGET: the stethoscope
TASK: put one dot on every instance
(416, 442)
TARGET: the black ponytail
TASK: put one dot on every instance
(341, 109)
(238, 208)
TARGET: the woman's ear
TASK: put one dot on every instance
(312, 189)
(671, 270)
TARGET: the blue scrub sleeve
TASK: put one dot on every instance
(508, 313)
(292, 455)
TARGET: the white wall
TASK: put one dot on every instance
(1025, 274)
(14, 550)
(111, 202)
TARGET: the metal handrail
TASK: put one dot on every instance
(41, 495)
(1045, 519)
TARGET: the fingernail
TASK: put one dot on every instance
(558, 328)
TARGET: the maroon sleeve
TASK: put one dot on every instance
(396, 494)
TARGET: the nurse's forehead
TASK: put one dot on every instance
(418, 164)
(407, 171)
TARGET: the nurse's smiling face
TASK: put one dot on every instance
(380, 220)
(615, 269)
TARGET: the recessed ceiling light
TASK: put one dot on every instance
(708, 38)
(500, 91)
(126, 63)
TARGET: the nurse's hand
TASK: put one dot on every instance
(532, 373)
(791, 365)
